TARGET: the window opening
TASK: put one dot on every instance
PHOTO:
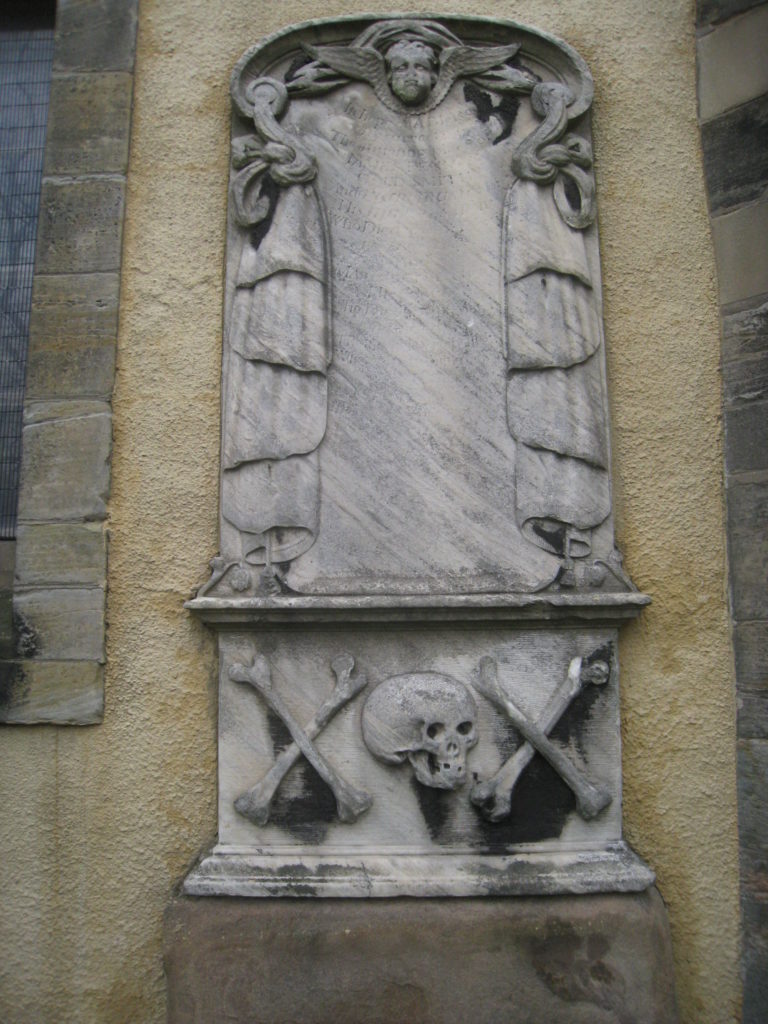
(26, 52)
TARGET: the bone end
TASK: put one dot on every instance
(593, 803)
(353, 806)
(238, 673)
(256, 812)
(598, 673)
(493, 806)
(488, 680)
(343, 664)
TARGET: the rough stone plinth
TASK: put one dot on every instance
(563, 960)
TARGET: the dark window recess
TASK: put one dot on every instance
(26, 50)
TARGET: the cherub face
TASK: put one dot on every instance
(411, 75)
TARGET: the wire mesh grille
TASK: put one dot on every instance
(25, 78)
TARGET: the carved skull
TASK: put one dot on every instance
(426, 717)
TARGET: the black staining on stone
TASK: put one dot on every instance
(578, 969)
(604, 653)
(541, 803)
(308, 814)
(305, 816)
(13, 685)
(554, 537)
(572, 193)
(279, 732)
(296, 65)
(735, 150)
(26, 638)
(435, 806)
(270, 191)
(573, 724)
(505, 109)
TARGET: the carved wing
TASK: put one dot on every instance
(461, 61)
(361, 63)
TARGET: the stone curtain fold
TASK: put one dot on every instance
(276, 407)
(555, 408)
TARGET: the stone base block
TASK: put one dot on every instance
(601, 959)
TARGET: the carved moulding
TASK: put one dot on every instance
(415, 488)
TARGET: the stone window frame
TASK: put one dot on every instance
(56, 671)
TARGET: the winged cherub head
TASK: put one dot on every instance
(411, 70)
(411, 64)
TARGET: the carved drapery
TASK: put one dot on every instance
(279, 342)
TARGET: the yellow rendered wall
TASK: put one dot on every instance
(98, 824)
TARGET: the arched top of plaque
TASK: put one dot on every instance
(458, 45)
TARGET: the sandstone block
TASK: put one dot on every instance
(61, 624)
(748, 548)
(73, 327)
(745, 330)
(735, 150)
(80, 226)
(56, 692)
(95, 35)
(563, 960)
(746, 437)
(89, 123)
(739, 237)
(731, 62)
(56, 553)
(65, 462)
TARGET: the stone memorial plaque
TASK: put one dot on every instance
(418, 592)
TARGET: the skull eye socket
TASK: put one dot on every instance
(434, 729)
(464, 728)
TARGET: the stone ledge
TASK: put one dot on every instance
(227, 871)
(563, 960)
(256, 613)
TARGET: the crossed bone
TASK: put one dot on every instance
(494, 796)
(255, 804)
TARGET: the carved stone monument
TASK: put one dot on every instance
(418, 592)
